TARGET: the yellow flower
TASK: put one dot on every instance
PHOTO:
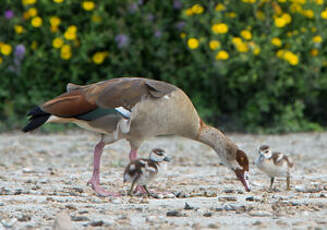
(313, 29)
(26, 15)
(280, 22)
(214, 44)
(242, 47)
(222, 55)
(219, 28)
(231, 15)
(36, 22)
(309, 13)
(72, 29)
(55, 21)
(256, 50)
(28, 2)
(280, 53)
(99, 57)
(260, 15)
(220, 7)
(65, 52)
(189, 11)
(237, 40)
(287, 18)
(314, 52)
(324, 14)
(320, 2)
(197, 9)
(34, 45)
(182, 35)
(282, 1)
(57, 43)
(249, 1)
(32, 12)
(246, 34)
(54, 29)
(193, 43)
(6, 49)
(18, 29)
(296, 8)
(69, 35)
(276, 42)
(317, 39)
(291, 58)
(88, 5)
(0, 60)
(96, 18)
(58, 1)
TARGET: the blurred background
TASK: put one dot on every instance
(248, 65)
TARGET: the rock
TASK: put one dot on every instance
(23, 218)
(70, 206)
(9, 223)
(181, 195)
(116, 201)
(214, 226)
(257, 223)
(207, 214)
(28, 170)
(157, 195)
(96, 223)
(174, 213)
(234, 207)
(63, 222)
(187, 206)
(83, 212)
(169, 195)
(78, 189)
(151, 219)
(2, 204)
(210, 194)
(227, 198)
(80, 218)
(43, 181)
(260, 213)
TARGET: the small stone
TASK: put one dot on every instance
(96, 223)
(2, 204)
(10, 223)
(207, 214)
(80, 218)
(260, 213)
(228, 191)
(220, 209)
(144, 201)
(71, 206)
(18, 191)
(169, 196)
(43, 181)
(257, 223)
(235, 207)
(83, 212)
(227, 198)
(214, 226)
(174, 213)
(78, 189)
(187, 206)
(181, 195)
(157, 195)
(28, 170)
(323, 195)
(63, 222)
(151, 219)
(116, 201)
(23, 218)
(250, 198)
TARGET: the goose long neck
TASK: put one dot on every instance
(218, 141)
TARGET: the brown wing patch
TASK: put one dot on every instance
(68, 104)
(127, 92)
(279, 158)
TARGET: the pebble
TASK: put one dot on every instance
(257, 223)
(214, 226)
(207, 214)
(187, 206)
(96, 223)
(116, 201)
(260, 213)
(253, 198)
(234, 207)
(28, 170)
(227, 198)
(174, 213)
(80, 218)
(78, 189)
(2, 204)
(43, 181)
(10, 223)
(151, 219)
(169, 195)
(182, 195)
(23, 218)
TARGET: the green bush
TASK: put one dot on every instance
(247, 65)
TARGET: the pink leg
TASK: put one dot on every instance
(95, 180)
(133, 154)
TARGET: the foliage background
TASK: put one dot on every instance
(260, 86)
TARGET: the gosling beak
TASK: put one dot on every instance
(167, 158)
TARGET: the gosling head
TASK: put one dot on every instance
(158, 155)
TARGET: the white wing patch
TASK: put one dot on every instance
(124, 112)
(131, 167)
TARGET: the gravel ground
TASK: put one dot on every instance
(43, 175)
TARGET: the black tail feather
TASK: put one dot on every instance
(38, 118)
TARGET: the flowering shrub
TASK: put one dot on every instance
(253, 64)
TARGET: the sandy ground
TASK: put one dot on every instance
(42, 175)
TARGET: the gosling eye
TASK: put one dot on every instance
(246, 177)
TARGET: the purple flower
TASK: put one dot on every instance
(133, 8)
(9, 14)
(122, 40)
(157, 33)
(180, 25)
(177, 4)
(150, 17)
(20, 51)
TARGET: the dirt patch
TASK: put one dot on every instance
(41, 175)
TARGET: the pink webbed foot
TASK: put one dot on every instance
(101, 191)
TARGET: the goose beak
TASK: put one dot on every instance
(243, 177)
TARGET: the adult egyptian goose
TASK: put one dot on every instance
(274, 164)
(135, 109)
(142, 171)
